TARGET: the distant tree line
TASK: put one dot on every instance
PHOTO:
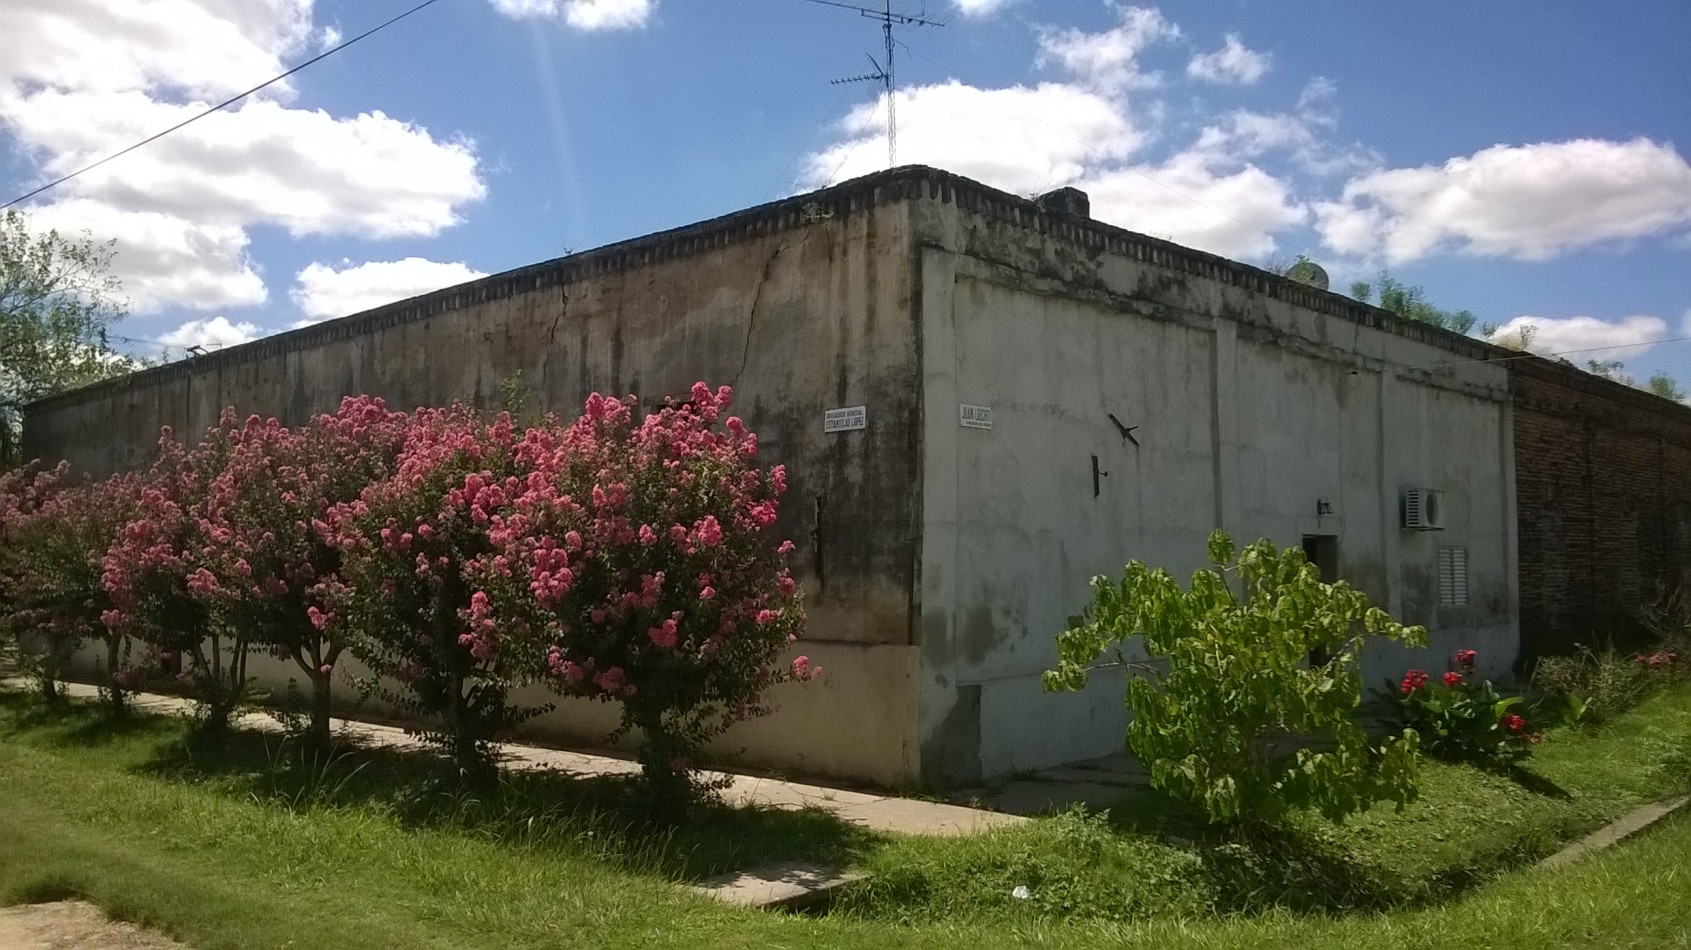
(1410, 302)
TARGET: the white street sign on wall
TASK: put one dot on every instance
(845, 420)
(974, 417)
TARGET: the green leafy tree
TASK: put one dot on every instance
(57, 299)
(1665, 386)
(1232, 714)
(1411, 303)
(1612, 370)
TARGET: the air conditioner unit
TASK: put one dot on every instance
(1423, 510)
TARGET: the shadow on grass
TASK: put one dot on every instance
(1535, 783)
(66, 722)
(601, 817)
(1249, 870)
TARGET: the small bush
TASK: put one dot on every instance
(1242, 724)
(1462, 718)
(1595, 686)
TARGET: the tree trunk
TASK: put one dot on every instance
(320, 696)
(667, 785)
(115, 694)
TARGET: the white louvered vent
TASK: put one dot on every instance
(1423, 509)
(1453, 576)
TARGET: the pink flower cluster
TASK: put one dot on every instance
(620, 557)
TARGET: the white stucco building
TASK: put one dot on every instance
(948, 371)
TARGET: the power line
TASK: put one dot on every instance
(782, 176)
(230, 101)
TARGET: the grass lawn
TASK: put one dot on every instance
(236, 848)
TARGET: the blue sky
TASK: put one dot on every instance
(1525, 162)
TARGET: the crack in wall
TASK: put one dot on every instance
(751, 316)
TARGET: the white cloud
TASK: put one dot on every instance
(81, 79)
(1091, 132)
(323, 291)
(1530, 202)
(1233, 63)
(212, 334)
(204, 49)
(1231, 211)
(585, 15)
(163, 259)
(1108, 61)
(263, 163)
(1023, 139)
(981, 8)
(1586, 337)
(1304, 135)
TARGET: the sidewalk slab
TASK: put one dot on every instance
(911, 816)
(875, 812)
(787, 885)
(1618, 831)
(1039, 795)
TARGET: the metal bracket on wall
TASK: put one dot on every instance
(1097, 473)
(1126, 431)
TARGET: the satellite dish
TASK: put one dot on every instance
(1308, 272)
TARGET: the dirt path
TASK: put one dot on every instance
(63, 925)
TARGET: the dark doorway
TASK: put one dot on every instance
(1322, 550)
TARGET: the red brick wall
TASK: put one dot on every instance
(1603, 494)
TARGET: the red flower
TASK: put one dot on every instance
(1464, 658)
(1413, 680)
(1453, 680)
(1512, 722)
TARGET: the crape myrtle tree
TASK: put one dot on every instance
(163, 594)
(265, 542)
(404, 545)
(54, 533)
(636, 566)
(613, 558)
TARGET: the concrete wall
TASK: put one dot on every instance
(1250, 409)
(940, 561)
(802, 306)
(1604, 480)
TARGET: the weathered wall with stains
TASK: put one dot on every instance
(939, 561)
(1253, 402)
(1603, 475)
(802, 306)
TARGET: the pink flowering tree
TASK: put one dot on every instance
(162, 593)
(404, 544)
(636, 565)
(54, 533)
(268, 565)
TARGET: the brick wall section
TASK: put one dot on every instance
(1603, 489)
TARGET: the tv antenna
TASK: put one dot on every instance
(883, 72)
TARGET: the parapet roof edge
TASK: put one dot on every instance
(896, 184)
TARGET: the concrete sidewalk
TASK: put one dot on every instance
(884, 813)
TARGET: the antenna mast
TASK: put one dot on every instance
(883, 72)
